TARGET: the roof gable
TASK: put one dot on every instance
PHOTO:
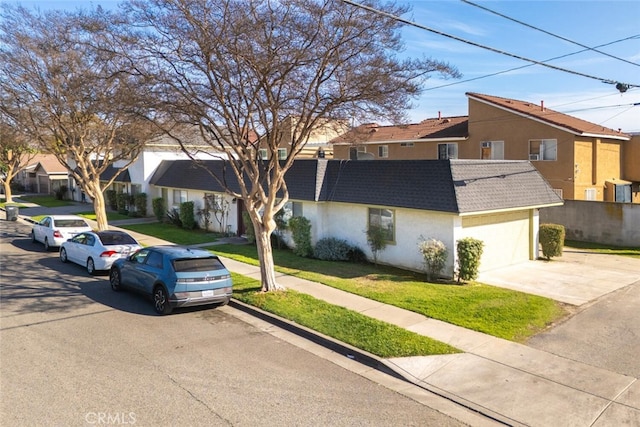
(553, 118)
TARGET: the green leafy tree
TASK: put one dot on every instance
(377, 240)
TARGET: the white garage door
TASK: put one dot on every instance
(505, 237)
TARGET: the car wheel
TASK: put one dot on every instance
(33, 237)
(114, 279)
(91, 267)
(63, 255)
(161, 301)
(46, 244)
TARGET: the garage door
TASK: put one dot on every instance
(505, 237)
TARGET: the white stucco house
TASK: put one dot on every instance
(497, 202)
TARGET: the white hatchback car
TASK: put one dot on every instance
(54, 230)
(98, 250)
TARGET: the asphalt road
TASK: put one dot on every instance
(73, 352)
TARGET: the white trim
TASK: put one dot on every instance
(399, 141)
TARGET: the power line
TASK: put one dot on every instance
(620, 86)
(594, 49)
(530, 65)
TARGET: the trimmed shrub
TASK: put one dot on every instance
(357, 255)
(301, 232)
(173, 217)
(469, 254)
(551, 240)
(140, 202)
(122, 200)
(187, 215)
(158, 208)
(112, 199)
(377, 240)
(434, 253)
(332, 249)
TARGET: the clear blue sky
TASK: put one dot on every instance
(587, 22)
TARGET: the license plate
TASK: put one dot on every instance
(206, 294)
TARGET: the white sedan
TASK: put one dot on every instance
(54, 230)
(98, 250)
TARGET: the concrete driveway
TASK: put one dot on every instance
(576, 278)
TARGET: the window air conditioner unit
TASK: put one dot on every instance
(534, 156)
(486, 144)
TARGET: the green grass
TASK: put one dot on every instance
(4, 204)
(633, 252)
(496, 311)
(46, 201)
(360, 331)
(111, 216)
(173, 233)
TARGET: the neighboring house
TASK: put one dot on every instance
(631, 165)
(43, 175)
(579, 159)
(429, 139)
(497, 202)
(317, 146)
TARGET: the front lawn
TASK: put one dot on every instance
(172, 233)
(495, 311)
(360, 331)
(46, 201)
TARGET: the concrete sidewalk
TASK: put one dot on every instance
(509, 382)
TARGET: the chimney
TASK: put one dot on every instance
(542, 105)
(439, 115)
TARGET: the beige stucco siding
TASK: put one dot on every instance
(506, 237)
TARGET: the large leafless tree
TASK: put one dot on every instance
(65, 81)
(16, 151)
(235, 68)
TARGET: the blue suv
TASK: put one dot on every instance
(174, 276)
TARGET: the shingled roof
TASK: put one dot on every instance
(443, 128)
(455, 186)
(539, 112)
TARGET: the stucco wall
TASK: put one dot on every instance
(600, 222)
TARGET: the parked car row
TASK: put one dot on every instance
(174, 276)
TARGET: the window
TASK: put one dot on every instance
(623, 193)
(136, 189)
(383, 151)
(291, 209)
(447, 151)
(406, 144)
(384, 218)
(590, 194)
(355, 151)
(543, 149)
(282, 153)
(262, 154)
(179, 196)
(492, 150)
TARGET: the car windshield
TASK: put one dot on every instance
(197, 264)
(70, 223)
(117, 239)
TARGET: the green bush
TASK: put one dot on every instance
(469, 254)
(551, 240)
(140, 202)
(158, 208)
(301, 232)
(187, 216)
(332, 249)
(434, 253)
(122, 204)
(377, 240)
(112, 199)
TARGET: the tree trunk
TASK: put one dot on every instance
(265, 255)
(8, 197)
(99, 207)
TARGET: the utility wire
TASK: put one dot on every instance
(594, 49)
(619, 86)
(529, 65)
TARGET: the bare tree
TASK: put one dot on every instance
(74, 93)
(15, 153)
(235, 69)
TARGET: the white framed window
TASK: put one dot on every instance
(262, 154)
(355, 151)
(282, 153)
(492, 150)
(406, 144)
(590, 194)
(291, 209)
(383, 151)
(447, 151)
(543, 149)
(385, 218)
(179, 196)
